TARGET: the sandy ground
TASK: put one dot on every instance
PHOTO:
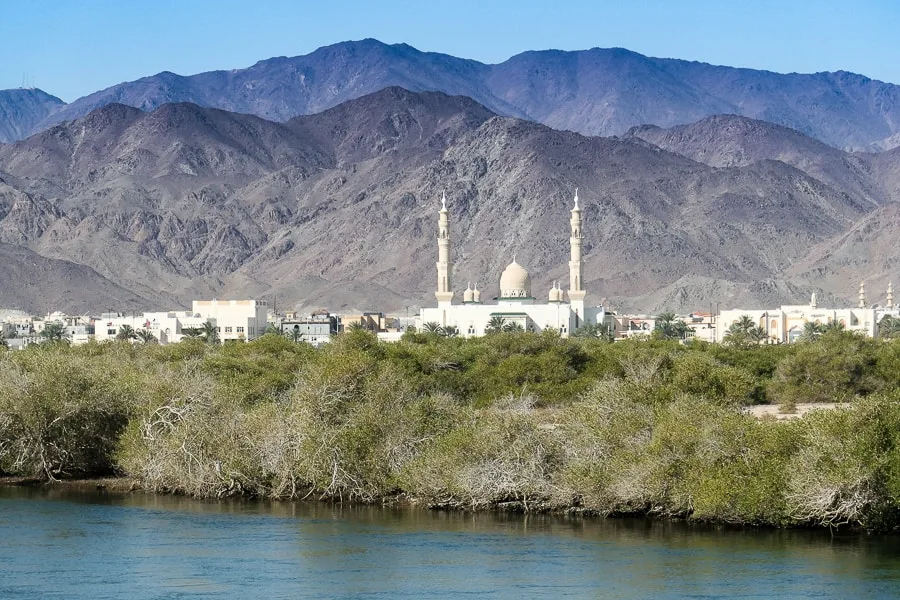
(762, 410)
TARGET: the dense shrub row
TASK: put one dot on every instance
(525, 421)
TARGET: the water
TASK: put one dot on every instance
(87, 545)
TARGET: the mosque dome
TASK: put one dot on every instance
(469, 295)
(515, 282)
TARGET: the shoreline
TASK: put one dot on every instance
(127, 485)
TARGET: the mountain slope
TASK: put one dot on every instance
(734, 141)
(594, 92)
(338, 209)
(21, 111)
(44, 285)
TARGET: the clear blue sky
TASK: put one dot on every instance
(74, 47)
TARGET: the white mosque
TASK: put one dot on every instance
(564, 311)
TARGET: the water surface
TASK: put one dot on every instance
(86, 545)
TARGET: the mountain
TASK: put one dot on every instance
(43, 285)
(22, 110)
(338, 209)
(734, 141)
(593, 92)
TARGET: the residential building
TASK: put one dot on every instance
(236, 320)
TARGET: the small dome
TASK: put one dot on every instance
(555, 293)
(468, 295)
(515, 282)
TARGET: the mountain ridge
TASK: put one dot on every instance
(595, 92)
(338, 209)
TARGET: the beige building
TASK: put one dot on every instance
(564, 310)
(785, 324)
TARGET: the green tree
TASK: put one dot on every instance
(53, 332)
(757, 334)
(513, 327)
(889, 327)
(495, 325)
(210, 333)
(126, 333)
(743, 333)
(145, 336)
(191, 333)
(451, 331)
(593, 330)
(3, 342)
(811, 331)
(433, 327)
(669, 327)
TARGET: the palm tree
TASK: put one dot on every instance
(670, 327)
(757, 334)
(833, 327)
(210, 333)
(811, 331)
(744, 324)
(271, 329)
(126, 333)
(450, 331)
(889, 327)
(513, 327)
(495, 325)
(433, 327)
(145, 336)
(53, 332)
(744, 333)
(356, 326)
(191, 333)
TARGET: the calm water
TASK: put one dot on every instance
(86, 545)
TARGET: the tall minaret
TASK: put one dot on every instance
(890, 295)
(576, 262)
(862, 294)
(444, 293)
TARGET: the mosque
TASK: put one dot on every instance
(564, 311)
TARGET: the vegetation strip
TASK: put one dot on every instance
(513, 420)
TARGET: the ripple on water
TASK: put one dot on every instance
(88, 545)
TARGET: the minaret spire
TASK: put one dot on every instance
(576, 261)
(444, 293)
(862, 294)
(890, 294)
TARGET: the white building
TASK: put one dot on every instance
(168, 327)
(564, 311)
(237, 320)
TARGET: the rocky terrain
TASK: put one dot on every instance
(593, 92)
(23, 110)
(337, 209)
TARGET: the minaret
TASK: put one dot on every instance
(576, 269)
(812, 301)
(576, 262)
(444, 293)
(862, 294)
(890, 295)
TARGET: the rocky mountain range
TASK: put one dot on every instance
(597, 92)
(338, 209)
(23, 110)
